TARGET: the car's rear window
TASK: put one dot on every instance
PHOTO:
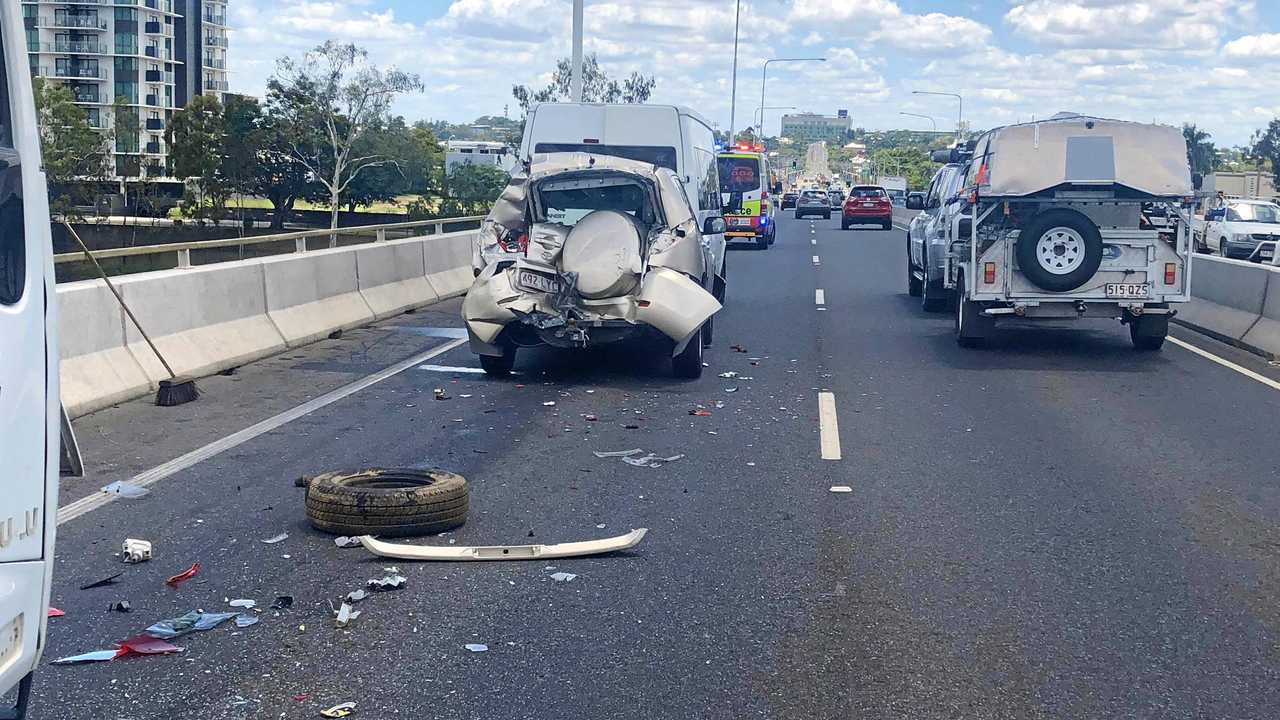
(739, 174)
(814, 194)
(867, 192)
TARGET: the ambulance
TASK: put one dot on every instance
(744, 184)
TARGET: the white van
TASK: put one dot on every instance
(667, 136)
(29, 408)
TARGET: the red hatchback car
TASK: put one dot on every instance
(867, 204)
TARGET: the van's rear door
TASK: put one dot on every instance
(28, 368)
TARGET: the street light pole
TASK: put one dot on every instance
(926, 117)
(575, 82)
(733, 92)
(759, 115)
(764, 70)
(959, 116)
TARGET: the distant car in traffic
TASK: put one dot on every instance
(867, 204)
(813, 202)
(789, 199)
(837, 198)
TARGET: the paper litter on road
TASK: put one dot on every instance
(346, 542)
(125, 489)
(276, 539)
(563, 576)
(245, 603)
(476, 647)
(616, 453)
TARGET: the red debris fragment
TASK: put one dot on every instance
(146, 645)
(301, 698)
(700, 412)
(55, 612)
(184, 575)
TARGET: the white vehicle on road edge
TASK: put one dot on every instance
(1236, 231)
(29, 407)
(1053, 229)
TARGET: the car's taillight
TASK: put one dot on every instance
(520, 244)
(1170, 273)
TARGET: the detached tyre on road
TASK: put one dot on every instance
(1059, 250)
(387, 502)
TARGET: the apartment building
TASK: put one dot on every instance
(156, 54)
(811, 127)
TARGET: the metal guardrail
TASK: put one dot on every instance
(378, 233)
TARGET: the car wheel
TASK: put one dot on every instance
(826, 216)
(913, 285)
(1059, 250)
(762, 242)
(707, 332)
(886, 225)
(499, 365)
(688, 364)
(1222, 247)
(844, 224)
(932, 294)
(799, 215)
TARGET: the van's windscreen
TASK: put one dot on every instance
(654, 155)
(739, 174)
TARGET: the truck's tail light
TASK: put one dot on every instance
(989, 273)
(1170, 273)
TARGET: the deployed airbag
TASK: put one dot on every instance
(603, 252)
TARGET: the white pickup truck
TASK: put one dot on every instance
(1242, 229)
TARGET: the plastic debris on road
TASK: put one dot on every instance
(55, 612)
(135, 551)
(651, 460)
(729, 374)
(700, 412)
(616, 453)
(125, 489)
(346, 542)
(184, 575)
(737, 348)
(104, 581)
(283, 602)
(345, 615)
(440, 394)
(245, 603)
(146, 645)
(192, 621)
(356, 596)
(731, 389)
(476, 647)
(563, 577)
(549, 403)
(590, 418)
(95, 656)
(120, 606)
(244, 620)
(840, 489)
(276, 539)
(390, 582)
(339, 711)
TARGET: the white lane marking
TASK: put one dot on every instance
(901, 227)
(84, 505)
(1226, 363)
(819, 297)
(828, 427)
(451, 369)
(813, 241)
(816, 261)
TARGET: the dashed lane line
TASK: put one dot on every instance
(816, 261)
(828, 426)
(819, 297)
(88, 504)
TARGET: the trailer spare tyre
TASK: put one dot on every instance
(1059, 250)
(387, 502)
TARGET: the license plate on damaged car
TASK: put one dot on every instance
(538, 281)
(1127, 290)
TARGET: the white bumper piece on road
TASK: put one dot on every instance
(503, 552)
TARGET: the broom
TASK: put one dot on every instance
(174, 391)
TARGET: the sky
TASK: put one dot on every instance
(1211, 62)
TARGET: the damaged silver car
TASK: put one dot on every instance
(583, 250)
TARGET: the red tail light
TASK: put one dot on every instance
(989, 273)
(1170, 273)
(520, 244)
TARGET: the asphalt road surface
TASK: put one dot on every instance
(1054, 526)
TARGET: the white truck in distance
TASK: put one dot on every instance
(1053, 227)
(896, 186)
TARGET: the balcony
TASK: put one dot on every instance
(215, 41)
(215, 18)
(153, 100)
(154, 148)
(219, 85)
(75, 46)
(215, 64)
(86, 97)
(71, 71)
(153, 28)
(79, 22)
(154, 75)
(155, 124)
(152, 51)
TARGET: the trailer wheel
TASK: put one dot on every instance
(971, 326)
(1059, 250)
(1148, 332)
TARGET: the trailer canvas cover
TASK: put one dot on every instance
(1082, 151)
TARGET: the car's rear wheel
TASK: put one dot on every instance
(932, 294)
(688, 363)
(913, 285)
(499, 365)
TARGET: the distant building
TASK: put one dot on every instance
(156, 54)
(478, 152)
(811, 127)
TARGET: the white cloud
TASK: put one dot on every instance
(1254, 46)
(1185, 25)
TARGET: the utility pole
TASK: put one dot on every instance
(575, 84)
(733, 82)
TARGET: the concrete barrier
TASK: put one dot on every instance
(203, 319)
(1235, 301)
(448, 263)
(392, 276)
(212, 317)
(312, 294)
(97, 369)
